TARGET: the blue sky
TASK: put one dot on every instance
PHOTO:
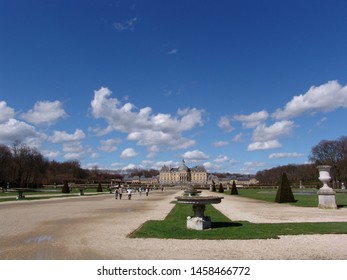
(238, 86)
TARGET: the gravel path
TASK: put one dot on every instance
(96, 227)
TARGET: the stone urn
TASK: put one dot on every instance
(326, 195)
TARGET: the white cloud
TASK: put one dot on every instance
(110, 145)
(238, 137)
(73, 147)
(45, 112)
(13, 130)
(6, 112)
(285, 155)
(129, 24)
(224, 123)
(221, 159)
(173, 51)
(252, 120)
(144, 127)
(271, 144)
(62, 136)
(50, 154)
(324, 98)
(219, 144)
(129, 167)
(128, 153)
(195, 156)
(264, 133)
(250, 167)
(72, 156)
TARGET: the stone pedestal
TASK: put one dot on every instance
(326, 195)
(199, 223)
(326, 199)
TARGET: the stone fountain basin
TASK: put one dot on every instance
(202, 200)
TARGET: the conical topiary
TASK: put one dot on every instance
(234, 189)
(99, 189)
(284, 191)
(221, 189)
(65, 188)
(213, 186)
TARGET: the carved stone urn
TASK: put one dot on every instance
(326, 195)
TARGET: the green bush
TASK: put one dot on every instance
(99, 189)
(234, 189)
(65, 188)
(284, 192)
(221, 189)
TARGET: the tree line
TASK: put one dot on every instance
(24, 166)
(326, 152)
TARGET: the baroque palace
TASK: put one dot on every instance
(183, 174)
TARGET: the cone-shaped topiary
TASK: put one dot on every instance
(221, 189)
(234, 189)
(65, 188)
(99, 189)
(214, 186)
(284, 191)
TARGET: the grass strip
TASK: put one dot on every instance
(303, 199)
(174, 227)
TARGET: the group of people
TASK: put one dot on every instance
(119, 192)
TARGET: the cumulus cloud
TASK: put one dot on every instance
(222, 159)
(238, 137)
(144, 127)
(62, 136)
(6, 112)
(195, 156)
(252, 120)
(109, 145)
(285, 155)
(45, 112)
(264, 133)
(128, 153)
(225, 124)
(13, 130)
(266, 145)
(324, 98)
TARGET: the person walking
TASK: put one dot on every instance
(147, 191)
(140, 191)
(120, 192)
(129, 193)
(116, 192)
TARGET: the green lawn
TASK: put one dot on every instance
(46, 194)
(304, 198)
(174, 226)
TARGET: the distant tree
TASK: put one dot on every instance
(234, 189)
(284, 191)
(65, 188)
(333, 153)
(99, 189)
(221, 189)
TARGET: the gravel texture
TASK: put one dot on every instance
(96, 228)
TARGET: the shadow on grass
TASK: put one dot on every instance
(225, 224)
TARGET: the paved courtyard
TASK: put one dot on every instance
(96, 227)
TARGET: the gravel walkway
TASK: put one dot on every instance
(95, 227)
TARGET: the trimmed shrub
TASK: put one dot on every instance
(234, 189)
(284, 191)
(221, 189)
(99, 189)
(65, 188)
(214, 186)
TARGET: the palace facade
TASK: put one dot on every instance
(183, 175)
